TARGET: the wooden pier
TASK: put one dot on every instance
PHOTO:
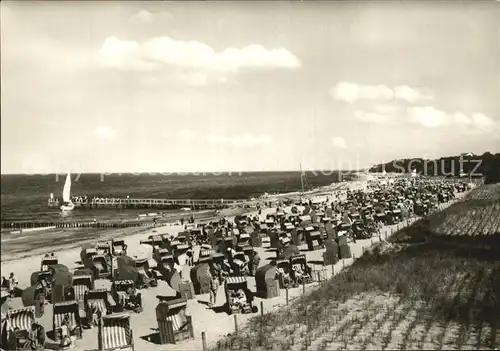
(150, 203)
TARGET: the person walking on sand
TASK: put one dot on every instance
(214, 286)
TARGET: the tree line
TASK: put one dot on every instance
(486, 165)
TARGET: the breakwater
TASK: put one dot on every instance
(100, 225)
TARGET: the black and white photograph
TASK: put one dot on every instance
(250, 175)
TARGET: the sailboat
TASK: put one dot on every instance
(67, 204)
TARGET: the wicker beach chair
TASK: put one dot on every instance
(19, 322)
(61, 310)
(173, 323)
(115, 333)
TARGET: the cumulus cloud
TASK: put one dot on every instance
(339, 142)
(351, 92)
(431, 117)
(104, 132)
(132, 55)
(187, 134)
(241, 140)
(144, 16)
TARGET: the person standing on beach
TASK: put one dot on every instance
(67, 329)
(14, 290)
(189, 254)
(255, 262)
(214, 286)
(37, 337)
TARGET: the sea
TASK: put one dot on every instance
(25, 197)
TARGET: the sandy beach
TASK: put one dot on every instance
(215, 325)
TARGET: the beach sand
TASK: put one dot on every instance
(215, 325)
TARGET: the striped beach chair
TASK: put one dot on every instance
(82, 284)
(232, 286)
(205, 255)
(47, 261)
(98, 300)
(147, 276)
(121, 296)
(18, 324)
(7, 337)
(101, 267)
(118, 247)
(21, 318)
(206, 247)
(244, 239)
(156, 241)
(115, 333)
(173, 323)
(61, 310)
(103, 248)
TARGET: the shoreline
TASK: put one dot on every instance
(13, 249)
(19, 204)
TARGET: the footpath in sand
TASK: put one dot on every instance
(215, 325)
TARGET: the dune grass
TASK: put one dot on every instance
(432, 293)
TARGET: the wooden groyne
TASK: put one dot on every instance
(36, 225)
(94, 203)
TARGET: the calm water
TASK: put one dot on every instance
(24, 197)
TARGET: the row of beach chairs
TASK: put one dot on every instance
(114, 330)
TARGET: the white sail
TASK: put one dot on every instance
(67, 189)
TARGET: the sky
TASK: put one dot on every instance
(245, 86)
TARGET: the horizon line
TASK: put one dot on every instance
(152, 173)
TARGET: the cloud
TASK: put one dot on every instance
(152, 54)
(242, 140)
(372, 117)
(187, 134)
(104, 132)
(143, 16)
(351, 92)
(433, 118)
(339, 142)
